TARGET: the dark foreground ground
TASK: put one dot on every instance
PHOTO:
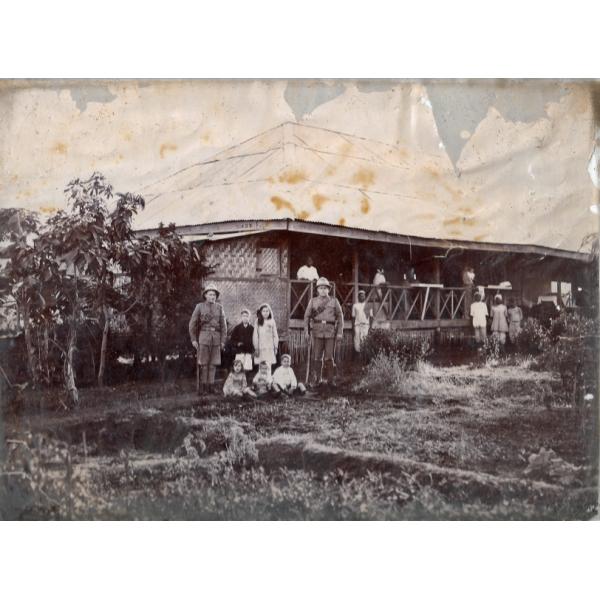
(458, 442)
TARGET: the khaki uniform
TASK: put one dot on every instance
(209, 328)
(324, 320)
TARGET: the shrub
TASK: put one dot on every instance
(385, 372)
(408, 350)
(491, 349)
(572, 347)
(534, 338)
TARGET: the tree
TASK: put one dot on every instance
(63, 274)
(30, 278)
(165, 285)
(112, 248)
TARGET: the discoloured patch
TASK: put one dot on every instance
(427, 216)
(456, 194)
(60, 148)
(342, 221)
(364, 177)
(365, 205)
(375, 85)
(462, 108)
(292, 176)
(470, 221)
(319, 200)
(48, 209)
(280, 203)
(82, 95)
(164, 148)
(127, 135)
(305, 96)
(480, 237)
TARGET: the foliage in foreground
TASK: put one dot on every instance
(387, 374)
(408, 351)
(85, 269)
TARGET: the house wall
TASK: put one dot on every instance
(249, 271)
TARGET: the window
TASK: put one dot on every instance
(267, 260)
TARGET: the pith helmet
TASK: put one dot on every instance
(210, 288)
(323, 281)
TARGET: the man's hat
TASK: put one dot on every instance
(210, 288)
(284, 356)
(323, 282)
(362, 293)
(245, 311)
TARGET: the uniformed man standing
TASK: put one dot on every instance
(208, 332)
(324, 323)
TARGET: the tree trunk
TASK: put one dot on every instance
(45, 355)
(69, 371)
(31, 358)
(104, 345)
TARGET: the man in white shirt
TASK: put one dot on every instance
(362, 318)
(308, 271)
(479, 313)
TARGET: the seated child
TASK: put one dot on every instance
(262, 383)
(284, 380)
(236, 385)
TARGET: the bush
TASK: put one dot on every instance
(385, 372)
(571, 352)
(407, 350)
(534, 338)
(491, 349)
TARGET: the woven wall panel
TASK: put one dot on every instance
(239, 257)
(268, 261)
(234, 258)
(236, 295)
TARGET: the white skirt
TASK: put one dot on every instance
(246, 360)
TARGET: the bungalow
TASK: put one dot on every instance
(355, 205)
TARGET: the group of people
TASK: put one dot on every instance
(256, 345)
(505, 319)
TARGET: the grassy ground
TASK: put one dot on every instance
(136, 453)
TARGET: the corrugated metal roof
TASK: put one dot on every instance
(321, 176)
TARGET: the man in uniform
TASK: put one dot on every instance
(208, 332)
(324, 322)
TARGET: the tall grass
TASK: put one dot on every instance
(387, 373)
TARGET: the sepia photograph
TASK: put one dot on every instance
(299, 299)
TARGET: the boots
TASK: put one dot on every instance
(315, 374)
(329, 373)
